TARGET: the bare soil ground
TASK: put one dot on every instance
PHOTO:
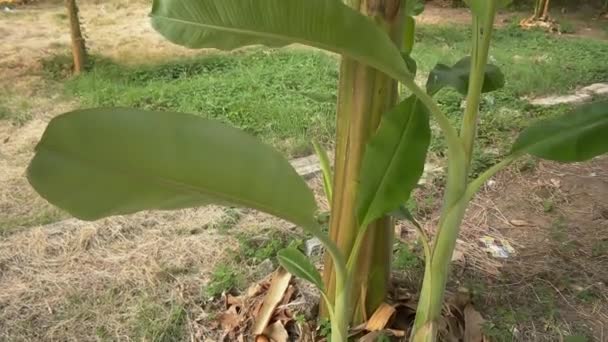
(76, 281)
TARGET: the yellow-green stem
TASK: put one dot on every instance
(364, 95)
(435, 276)
(479, 59)
(457, 193)
(372, 94)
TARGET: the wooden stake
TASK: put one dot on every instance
(79, 51)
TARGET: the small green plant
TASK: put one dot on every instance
(224, 278)
(548, 205)
(405, 258)
(103, 334)
(101, 162)
(599, 248)
(257, 250)
(57, 67)
(324, 328)
(228, 221)
(4, 113)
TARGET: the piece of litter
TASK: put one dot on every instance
(313, 247)
(507, 246)
(498, 249)
(491, 183)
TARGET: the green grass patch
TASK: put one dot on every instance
(16, 112)
(534, 62)
(256, 248)
(230, 219)
(158, 322)
(224, 278)
(405, 258)
(286, 97)
(41, 216)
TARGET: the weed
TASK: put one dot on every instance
(588, 295)
(599, 248)
(483, 160)
(39, 217)
(57, 67)
(300, 318)
(255, 249)
(405, 258)
(548, 205)
(102, 333)
(157, 322)
(526, 164)
(324, 327)
(559, 234)
(224, 278)
(228, 221)
(19, 115)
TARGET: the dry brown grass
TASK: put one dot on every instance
(67, 280)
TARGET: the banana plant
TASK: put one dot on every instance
(111, 161)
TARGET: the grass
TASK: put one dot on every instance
(230, 218)
(534, 62)
(405, 258)
(287, 97)
(44, 215)
(255, 249)
(224, 278)
(158, 322)
(15, 112)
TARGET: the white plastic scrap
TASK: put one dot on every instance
(498, 249)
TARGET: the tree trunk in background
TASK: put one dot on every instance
(79, 51)
(541, 10)
(364, 95)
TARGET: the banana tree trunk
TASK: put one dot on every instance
(364, 95)
(79, 51)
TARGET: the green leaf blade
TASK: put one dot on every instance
(577, 136)
(393, 161)
(297, 264)
(230, 24)
(457, 77)
(101, 162)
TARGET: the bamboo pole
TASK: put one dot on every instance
(79, 52)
